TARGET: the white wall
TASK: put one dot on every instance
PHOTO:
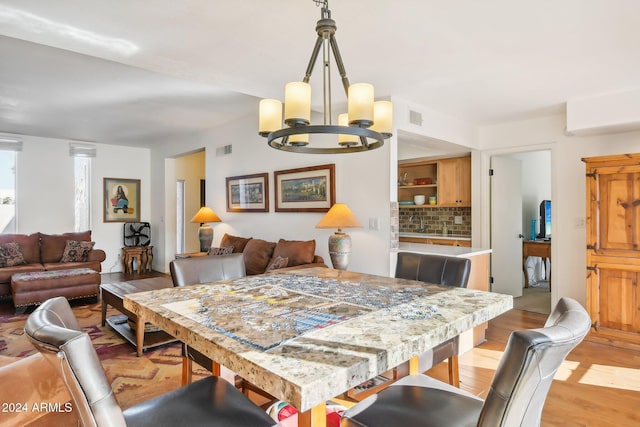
(362, 181)
(45, 188)
(568, 187)
(536, 186)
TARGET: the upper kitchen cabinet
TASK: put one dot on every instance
(454, 182)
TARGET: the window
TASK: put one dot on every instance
(82, 192)
(82, 155)
(7, 192)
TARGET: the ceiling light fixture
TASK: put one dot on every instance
(363, 128)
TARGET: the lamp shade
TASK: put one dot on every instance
(339, 216)
(205, 214)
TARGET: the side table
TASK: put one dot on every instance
(143, 255)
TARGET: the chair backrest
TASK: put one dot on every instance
(54, 331)
(204, 269)
(443, 270)
(528, 365)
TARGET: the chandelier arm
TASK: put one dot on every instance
(313, 59)
(339, 63)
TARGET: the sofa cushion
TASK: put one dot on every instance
(7, 272)
(76, 251)
(238, 243)
(298, 252)
(257, 254)
(29, 245)
(52, 245)
(11, 255)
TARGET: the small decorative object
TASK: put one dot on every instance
(248, 193)
(533, 230)
(137, 234)
(339, 216)
(205, 232)
(423, 181)
(419, 199)
(121, 200)
(432, 200)
(310, 189)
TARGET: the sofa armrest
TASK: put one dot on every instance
(97, 255)
(317, 259)
(298, 267)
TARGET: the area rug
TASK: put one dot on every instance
(133, 379)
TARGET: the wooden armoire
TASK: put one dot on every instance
(613, 248)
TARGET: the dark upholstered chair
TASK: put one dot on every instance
(196, 270)
(54, 331)
(442, 270)
(517, 394)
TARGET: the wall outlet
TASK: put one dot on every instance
(457, 220)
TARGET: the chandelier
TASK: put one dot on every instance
(364, 127)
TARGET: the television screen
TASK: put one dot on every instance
(545, 219)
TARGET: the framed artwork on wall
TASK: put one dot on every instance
(121, 200)
(248, 193)
(310, 189)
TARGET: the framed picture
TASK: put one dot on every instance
(248, 193)
(121, 200)
(310, 189)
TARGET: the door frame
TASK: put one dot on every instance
(482, 216)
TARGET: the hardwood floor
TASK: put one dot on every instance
(598, 385)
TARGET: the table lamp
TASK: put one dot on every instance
(339, 216)
(205, 232)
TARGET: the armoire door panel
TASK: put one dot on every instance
(619, 300)
(619, 214)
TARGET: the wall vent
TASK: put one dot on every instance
(223, 151)
(415, 118)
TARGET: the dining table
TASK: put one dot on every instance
(309, 335)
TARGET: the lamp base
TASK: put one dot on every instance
(205, 235)
(340, 250)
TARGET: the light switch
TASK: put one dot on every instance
(374, 224)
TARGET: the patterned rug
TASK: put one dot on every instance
(133, 379)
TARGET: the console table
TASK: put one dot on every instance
(539, 248)
(143, 256)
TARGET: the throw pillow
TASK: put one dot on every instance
(10, 255)
(238, 243)
(76, 251)
(257, 255)
(298, 252)
(225, 250)
(276, 263)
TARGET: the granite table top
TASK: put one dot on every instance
(311, 334)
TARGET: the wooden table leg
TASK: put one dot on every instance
(413, 365)
(314, 417)
(139, 335)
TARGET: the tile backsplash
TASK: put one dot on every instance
(433, 220)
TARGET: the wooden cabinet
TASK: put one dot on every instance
(436, 241)
(450, 181)
(613, 248)
(454, 182)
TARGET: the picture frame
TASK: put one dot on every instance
(121, 198)
(308, 189)
(248, 193)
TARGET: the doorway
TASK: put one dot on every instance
(534, 176)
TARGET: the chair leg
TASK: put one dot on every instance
(454, 373)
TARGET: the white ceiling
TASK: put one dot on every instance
(134, 72)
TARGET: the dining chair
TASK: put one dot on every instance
(441, 270)
(517, 393)
(196, 270)
(192, 271)
(53, 329)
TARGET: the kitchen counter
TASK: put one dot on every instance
(455, 251)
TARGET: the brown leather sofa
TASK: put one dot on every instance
(261, 256)
(43, 252)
